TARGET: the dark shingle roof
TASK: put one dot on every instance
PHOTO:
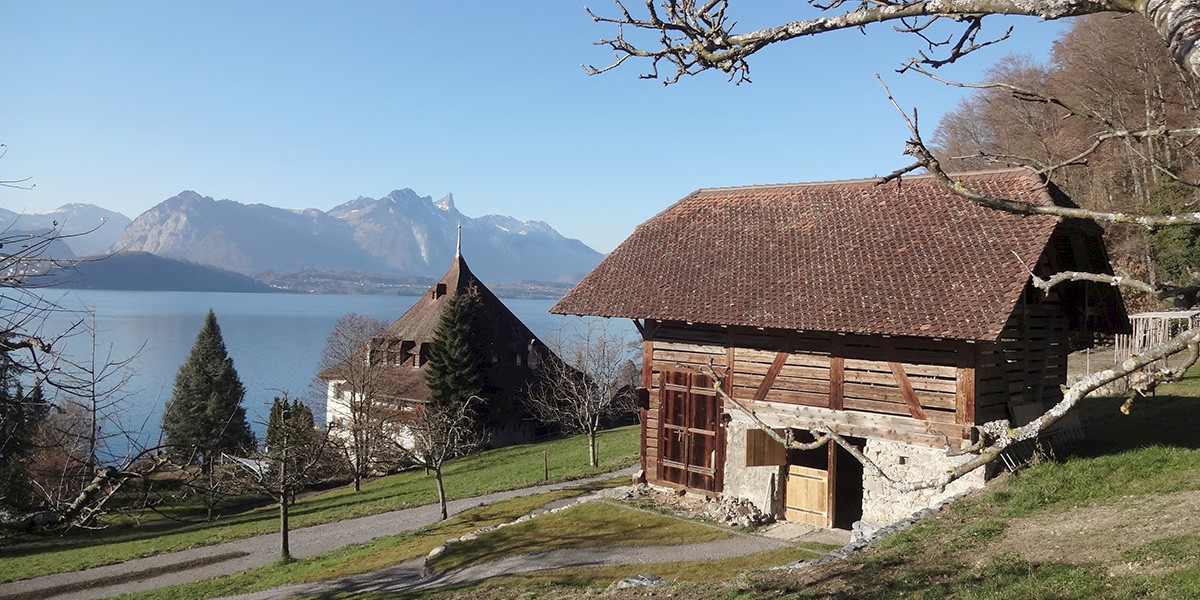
(904, 258)
(420, 322)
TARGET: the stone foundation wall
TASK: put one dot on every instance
(883, 505)
(755, 484)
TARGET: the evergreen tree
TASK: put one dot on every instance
(205, 415)
(21, 414)
(291, 421)
(458, 360)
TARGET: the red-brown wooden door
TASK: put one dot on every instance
(690, 437)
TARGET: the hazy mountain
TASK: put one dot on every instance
(243, 238)
(36, 245)
(87, 228)
(401, 233)
(145, 271)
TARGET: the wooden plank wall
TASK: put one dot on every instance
(915, 385)
(913, 390)
(907, 376)
(1028, 364)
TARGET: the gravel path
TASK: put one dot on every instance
(407, 576)
(231, 557)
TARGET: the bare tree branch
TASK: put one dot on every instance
(694, 38)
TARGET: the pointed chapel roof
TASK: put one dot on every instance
(420, 322)
(903, 258)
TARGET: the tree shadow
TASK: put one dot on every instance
(1163, 420)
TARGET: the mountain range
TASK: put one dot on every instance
(86, 229)
(401, 234)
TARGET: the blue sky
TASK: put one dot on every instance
(306, 104)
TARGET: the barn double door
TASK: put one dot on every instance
(691, 441)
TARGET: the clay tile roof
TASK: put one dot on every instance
(904, 258)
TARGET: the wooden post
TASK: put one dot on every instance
(546, 465)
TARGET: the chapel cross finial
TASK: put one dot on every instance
(458, 245)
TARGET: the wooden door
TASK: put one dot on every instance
(689, 435)
(807, 496)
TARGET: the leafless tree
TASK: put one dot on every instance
(85, 427)
(440, 431)
(689, 38)
(35, 356)
(1132, 86)
(358, 410)
(592, 383)
(295, 455)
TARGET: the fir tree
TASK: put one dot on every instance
(291, 421)
(458, 360)
(205, 415)
(21, 414)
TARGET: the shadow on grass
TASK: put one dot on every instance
(1164, 420)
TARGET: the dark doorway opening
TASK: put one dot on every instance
(848, 485)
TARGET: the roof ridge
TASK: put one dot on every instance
(862, 180)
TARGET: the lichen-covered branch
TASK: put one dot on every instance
(86, 505)
(695, 37)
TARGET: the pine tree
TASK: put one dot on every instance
(458, 361)
(205, 415)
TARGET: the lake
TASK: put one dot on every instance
(275, 340)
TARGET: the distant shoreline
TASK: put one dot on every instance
(142, 271)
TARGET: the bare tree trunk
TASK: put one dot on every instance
(437, 475)
(285, 549)
(355, 465)
(593, 457)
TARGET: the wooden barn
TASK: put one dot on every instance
(897, 315)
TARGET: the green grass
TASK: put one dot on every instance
(587, 580)
(588, 525)
(486, 472)
(1169, 551)
(593, 524)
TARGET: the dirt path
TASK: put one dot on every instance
(231, 557)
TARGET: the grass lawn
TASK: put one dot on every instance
(586, 582)
(491, 471)
(588, 525)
